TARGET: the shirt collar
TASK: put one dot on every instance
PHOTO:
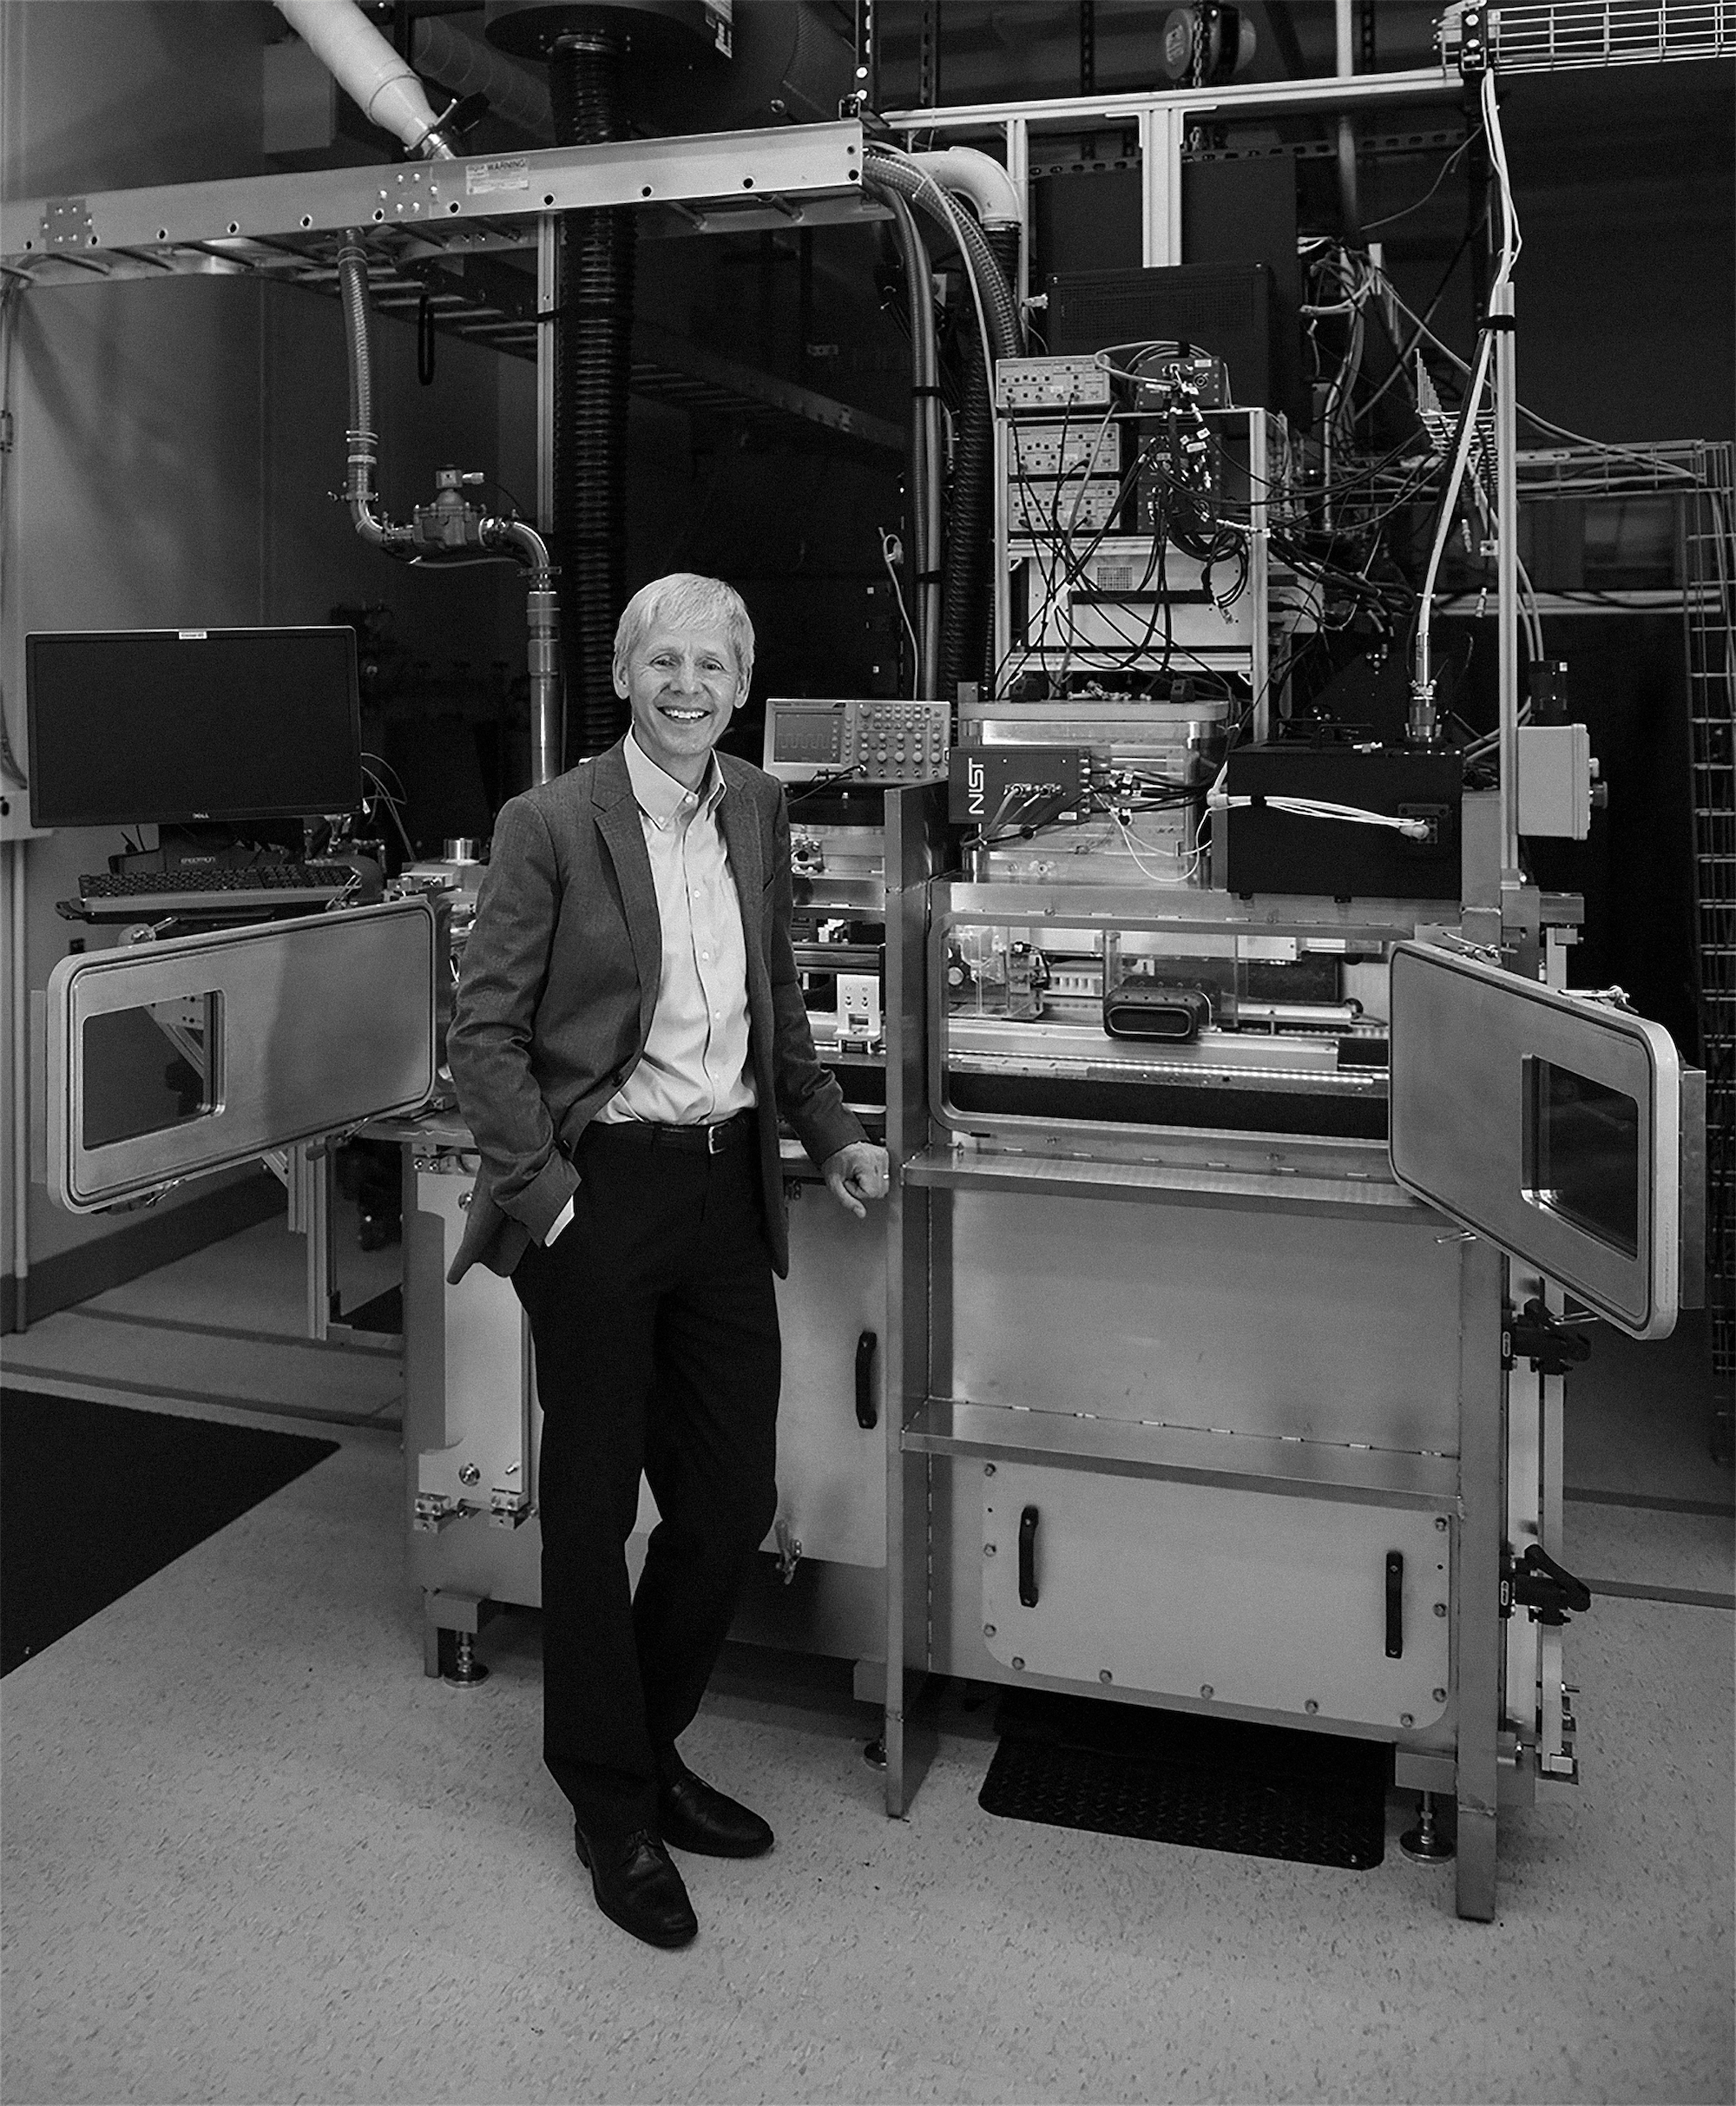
(658, 796)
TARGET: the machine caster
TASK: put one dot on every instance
(459, 1667)
(1425, 1844)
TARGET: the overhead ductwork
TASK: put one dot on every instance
(383, 85)
(464, 66)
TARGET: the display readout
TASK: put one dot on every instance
(809, 734)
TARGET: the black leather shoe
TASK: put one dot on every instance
(636, 1885)
(694, 1816)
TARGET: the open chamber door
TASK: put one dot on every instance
(1562, 1129)
(171, 1060)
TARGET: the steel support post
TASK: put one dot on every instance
(1476, 1620)
(548, 292)
(312, 1172)
(1163, 130)
(1018, 167)
(909, 1744)
(1506, 576)
(1260, 551)
(1344, 42)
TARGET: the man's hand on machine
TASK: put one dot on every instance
(857, 1172)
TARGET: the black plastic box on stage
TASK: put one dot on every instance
(1269, 850)
(1229, 309)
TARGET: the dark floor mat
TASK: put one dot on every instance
(1121, 1769)
(94, 1499)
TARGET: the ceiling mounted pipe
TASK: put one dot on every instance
(382, 85)
(978, 177)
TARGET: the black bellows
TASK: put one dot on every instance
(967, 589)
(592, 364)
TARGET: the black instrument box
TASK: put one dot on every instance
(1271, 850)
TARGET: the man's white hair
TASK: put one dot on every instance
(696, 601)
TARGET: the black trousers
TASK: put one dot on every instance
(655, 1326)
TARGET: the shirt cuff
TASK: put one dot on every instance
(562, 1219)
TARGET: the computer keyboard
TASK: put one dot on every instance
(213, 889)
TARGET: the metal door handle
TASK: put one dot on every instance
(1028, 1521)
(867, 1410)
(1395, 1604)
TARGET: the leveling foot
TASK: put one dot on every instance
(1425, 1844)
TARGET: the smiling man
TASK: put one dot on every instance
(629, 1025)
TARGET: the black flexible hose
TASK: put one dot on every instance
(966, 647)
(970, 530)
(1006, 336)
(991, 256)
(592, 369)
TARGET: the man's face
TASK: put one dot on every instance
(683, 684)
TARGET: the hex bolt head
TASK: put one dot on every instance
(988, 1549)
(1405, 1718)
(1441, 1523)
(1440, 1609)
(1017, 1662)
(988, 1470)
(1311, 1708)
(1439, 1695)
(988, 1630)
(1103, 1674)
(1205, 1689)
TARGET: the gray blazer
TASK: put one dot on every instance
(560, 982)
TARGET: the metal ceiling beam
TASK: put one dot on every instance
(1327, 92)
(799, 174)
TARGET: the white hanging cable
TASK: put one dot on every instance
(1423, 683)
(1321, 808)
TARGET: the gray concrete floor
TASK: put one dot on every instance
(250, 1853)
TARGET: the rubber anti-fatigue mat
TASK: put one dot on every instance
(1167, 1777)
(95, 1498)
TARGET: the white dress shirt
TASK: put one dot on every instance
(694, 1069)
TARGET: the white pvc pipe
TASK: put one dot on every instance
(381, 84)
(978, 177)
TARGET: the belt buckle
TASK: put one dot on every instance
(714, 1136)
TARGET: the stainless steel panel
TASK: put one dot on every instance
(1476, 1053)
(1340, 1189)
(1363, 1474)
(831, 1472)
(1247, 1322)
(286, 1030)
(1219, 1595)
(482, 1459)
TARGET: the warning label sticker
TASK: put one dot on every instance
(482, 177)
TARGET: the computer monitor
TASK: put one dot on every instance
(192, 726)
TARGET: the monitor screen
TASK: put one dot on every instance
(186, 726)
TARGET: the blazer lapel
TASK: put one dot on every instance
(741, 843)
(617, 819)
